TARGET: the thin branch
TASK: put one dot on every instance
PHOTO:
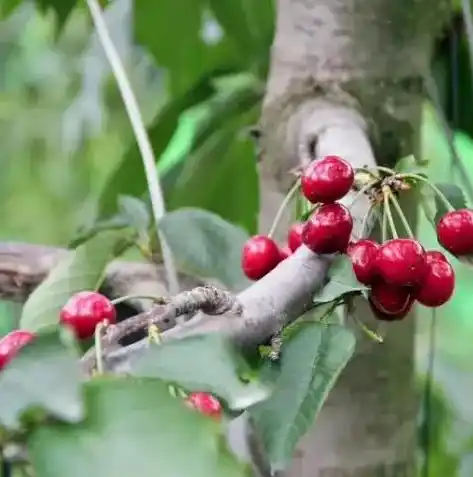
(142, 139)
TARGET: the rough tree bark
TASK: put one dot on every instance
(346, 78)
(336, 65)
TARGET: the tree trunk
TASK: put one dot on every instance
(335, 63)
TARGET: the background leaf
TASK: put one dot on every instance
(454, 195)
(342, 281)
(81, 269)
(205, 244)
(203, 363)
(311, 361)
(133, 427)
(45, 373)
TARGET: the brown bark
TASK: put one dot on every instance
(331, 58)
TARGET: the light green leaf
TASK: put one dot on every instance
(45, 374)
(311, 361)
(203, 363)
(81, 269)
(454, 195)
(342, 282)
(205, 244)
(134, 212)
(10, 312)
(134, 427)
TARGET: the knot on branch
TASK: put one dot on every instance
(208, 299)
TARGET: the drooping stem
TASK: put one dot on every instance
(283, 207)
(142, 139)
(401, 215)
(384, 225)
(388, 214)
(370, 333)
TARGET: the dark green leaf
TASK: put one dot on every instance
(205, 244)
(342, 282)
(310, 363)
(62, 8)
(203, 363)
(10, 313)
(7, 7)
(81, 269)
(45, 374)
(454, 195)
(160, 134)
(133, 427)
(411, 164)
(134, 212)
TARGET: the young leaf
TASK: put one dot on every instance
(342, 282)
(203, 363)
(454, 195)
(45, 374)
(81, 269)
(206, 244)
(310, 363)
(133, 427)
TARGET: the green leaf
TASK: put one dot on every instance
(62, 8)
(133, 427)
(8, 6)
(203, 363)
(81, 269)
(454, 195)
(160, 134)
(310, 363)
(342, 282)
(45, 374)
(10, 313)
(205, 244)
(135, 213)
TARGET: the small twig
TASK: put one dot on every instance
(142, 139)
(208, 299)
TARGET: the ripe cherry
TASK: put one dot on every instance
(11, 344)
(327, 180)
(439, 283)
(455, 232)
(328, 229)
(260, 255)
(363, 257)
(205, 403)
(294, 236)
(85, 310)
(401, 262)
(390, 302)
(285, 253)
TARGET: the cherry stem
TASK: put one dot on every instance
(370, 333)
(283, 207)
(98, 345)
(389, 215)
(157, 299)
(434, 188)
(365, 188)
(384, 225)
(366, 218)
(399, 211)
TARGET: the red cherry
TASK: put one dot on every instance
(437, 255)
(294, 236)
(328, 229)
(85, 310)
(286, 252)
(205, 403)
(327, 180)
(401, 262)
(363, 257)
(455, 232)
(11, 344)
(439, 283)
(260, 255)
(390, 302)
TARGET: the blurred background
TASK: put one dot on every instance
(67, 150)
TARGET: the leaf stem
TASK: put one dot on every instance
(402, 217)
(434, 188)
(282, 207)
(371, 334)
(142, 139)
(389, 215)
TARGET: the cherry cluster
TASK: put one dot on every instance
(82, 313)
(398, 271)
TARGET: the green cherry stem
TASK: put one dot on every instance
(389, 215)
(157, 299)
(401, 215)
(360, 193)
(98, 346)
(283, 207)
(384, 225)
(371, 334)
(434, 188)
